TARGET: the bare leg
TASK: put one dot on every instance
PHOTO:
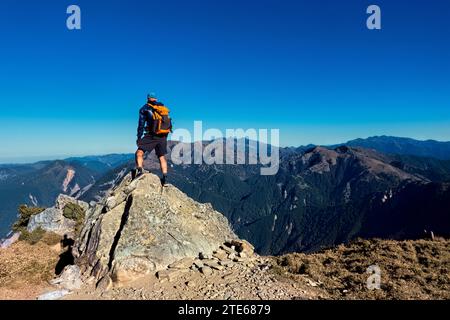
(139, 156)
(163, 163)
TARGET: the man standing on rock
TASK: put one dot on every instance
(153, 128)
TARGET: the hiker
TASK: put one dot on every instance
(154, 119)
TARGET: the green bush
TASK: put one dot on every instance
(74, 212)
(25, 213)
(32, 237)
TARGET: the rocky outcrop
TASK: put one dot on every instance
(69, 279)
(140, 228)
(54, 220)
(224, 258)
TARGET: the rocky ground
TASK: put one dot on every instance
(409, 270)
(231, 273)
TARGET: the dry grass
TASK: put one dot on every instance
(409, 269)
(51, 238)
(25, 269)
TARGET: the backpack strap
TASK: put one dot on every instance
(161, 110)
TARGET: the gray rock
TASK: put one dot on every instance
(214, 265)
(131, 268)
(203, 255)
(69, 279)
(207, 271)
(221, 255)
(242, 246)
(209, 261)
(242, 254)
(111, 203)
(198, 263)
(63, 200)
(147, 231)
(182, 264)
(170, 274)
(232, 256)
(53, 295)
(52, 219)
(227, 249)
(105, 283)
(226, 263)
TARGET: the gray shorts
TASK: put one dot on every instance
(149, 143)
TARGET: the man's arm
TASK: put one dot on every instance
(141, 124)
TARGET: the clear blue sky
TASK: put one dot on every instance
(229, 63)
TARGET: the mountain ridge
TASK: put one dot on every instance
(405, 146)
(254, 203)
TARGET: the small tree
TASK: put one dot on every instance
(25, 213)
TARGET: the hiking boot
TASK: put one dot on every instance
(138, 173)
(163, 180)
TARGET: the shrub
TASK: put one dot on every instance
(32, 237)
(25, 213)
(74, 212)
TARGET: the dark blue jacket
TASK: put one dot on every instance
(145, 118)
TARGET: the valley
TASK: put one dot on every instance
(320, 197)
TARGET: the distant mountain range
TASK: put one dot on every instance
(321, 196)
(404, 146)
(40, 183)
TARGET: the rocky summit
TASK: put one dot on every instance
(140, 228)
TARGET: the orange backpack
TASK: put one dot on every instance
(162, 123)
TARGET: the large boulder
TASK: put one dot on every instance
(53, 219)
(140, 228)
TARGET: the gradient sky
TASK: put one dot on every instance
(310, 68)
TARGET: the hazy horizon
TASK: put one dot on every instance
(33, 158)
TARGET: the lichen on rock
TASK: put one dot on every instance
(138, 229)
